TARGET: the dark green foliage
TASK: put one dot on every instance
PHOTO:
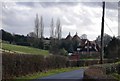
(7, 36)
(113, 49)
(22, 40)
(23, 43)
(68, 45)
(56, 47)
(19, 38)
(15, 39)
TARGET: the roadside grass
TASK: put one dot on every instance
(43, 74)
(116, 76)
(89, 59)
(23, 49)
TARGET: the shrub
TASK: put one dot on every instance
(57, 61)
(100, 72)
(86, 62)
(110, 67)
(14, 65)
(23, 43)
(97, 73)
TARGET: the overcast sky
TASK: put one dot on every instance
(80, 17)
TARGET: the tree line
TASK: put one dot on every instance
(63, 47)
(55, 43)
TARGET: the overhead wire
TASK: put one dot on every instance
(109, 28)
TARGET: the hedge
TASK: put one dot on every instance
(85, 62)
(100, 72)
(14, 65)
(111, 67)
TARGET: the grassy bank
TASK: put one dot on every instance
(108, 71)
(116, 76)
(23, 49)
(43, 74)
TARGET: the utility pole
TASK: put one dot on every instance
(102, 36)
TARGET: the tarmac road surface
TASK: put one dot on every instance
(76, 75)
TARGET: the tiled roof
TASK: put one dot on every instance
(69, 37)
(76, 37)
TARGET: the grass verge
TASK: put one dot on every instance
(43, 74)
(116, 76)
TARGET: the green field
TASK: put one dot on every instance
(23, 49)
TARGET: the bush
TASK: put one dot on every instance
(63, 52)
(86, 62)
(94, 55)
(110, 67)
(100, 72)
(14, 65)
(23, 43)
(57, 61)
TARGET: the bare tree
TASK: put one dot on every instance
(58, 29)
(37, 26)
(52, 29)
(41, 30)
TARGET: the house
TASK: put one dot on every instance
(82, 47)
(88, 46)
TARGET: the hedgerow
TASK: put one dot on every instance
(14, 65)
